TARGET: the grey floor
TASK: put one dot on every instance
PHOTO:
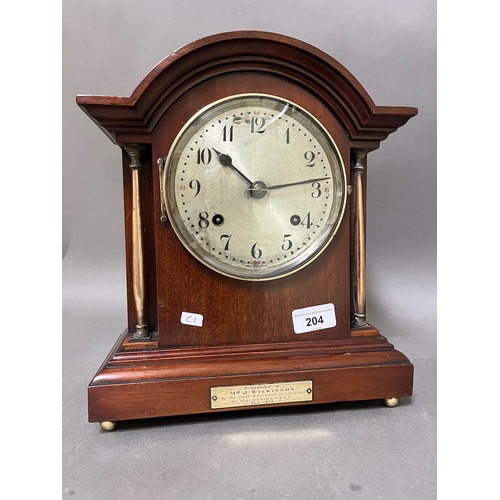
(357, 450)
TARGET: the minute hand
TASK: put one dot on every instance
(308, 181)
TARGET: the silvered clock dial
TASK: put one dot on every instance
(255, 187)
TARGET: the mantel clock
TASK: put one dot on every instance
(244, 175)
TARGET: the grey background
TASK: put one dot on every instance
(363, 450)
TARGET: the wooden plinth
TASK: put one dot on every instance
(165, 382)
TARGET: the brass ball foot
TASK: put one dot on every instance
(109, 426)
(391, 402)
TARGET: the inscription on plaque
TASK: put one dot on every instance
(233, 396)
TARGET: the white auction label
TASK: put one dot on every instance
(191, 319)
(314, 318)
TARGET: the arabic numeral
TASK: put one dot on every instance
(307, 222)
(204, 156)
(257, 125)
(317, 191)
(287, 244)
(195, 186)
(203, 220)
(256, 252)
(314, 321)
(227, 136)
(310, 156)
(226, 237)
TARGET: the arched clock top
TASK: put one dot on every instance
(365, 123)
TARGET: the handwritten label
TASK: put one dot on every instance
(191, 319)
(260, 394)
(314, 318)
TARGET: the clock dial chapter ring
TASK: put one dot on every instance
(254, 229)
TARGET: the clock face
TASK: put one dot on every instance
(255, 187)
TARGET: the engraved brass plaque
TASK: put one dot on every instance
(233, 396)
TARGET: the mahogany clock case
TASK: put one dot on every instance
(247, 335)
(233, 310)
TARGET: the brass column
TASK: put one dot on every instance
(141, 329)
(358, 245)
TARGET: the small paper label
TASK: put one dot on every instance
(314, 318)
(191, 319)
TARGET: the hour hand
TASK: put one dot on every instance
(226, 161)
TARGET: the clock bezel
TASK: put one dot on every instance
(292, 266)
